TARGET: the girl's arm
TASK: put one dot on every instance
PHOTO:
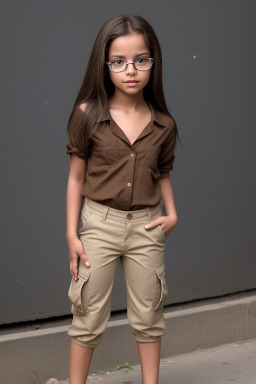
(74, 200)
(168, 222)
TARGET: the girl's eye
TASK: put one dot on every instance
(117, 62)
(140, 60)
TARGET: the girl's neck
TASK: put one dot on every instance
(129, 103)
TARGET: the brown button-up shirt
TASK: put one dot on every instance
(122, 175)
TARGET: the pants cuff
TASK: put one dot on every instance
(151, 339)
(83, 343)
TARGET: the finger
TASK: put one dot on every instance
(84, 259)
(153, 223)
(74, 269)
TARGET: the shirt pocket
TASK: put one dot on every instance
(105, 153)
(151, 157)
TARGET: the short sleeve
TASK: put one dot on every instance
(166, 156)
(76, 140)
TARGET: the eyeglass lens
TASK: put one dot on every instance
(140, 64)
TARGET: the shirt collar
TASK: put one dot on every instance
(156, 116)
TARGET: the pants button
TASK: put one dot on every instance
(129, 216)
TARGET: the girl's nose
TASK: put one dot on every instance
(130, 68)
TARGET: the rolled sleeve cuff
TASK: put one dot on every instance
(167, 167)
(70, 149)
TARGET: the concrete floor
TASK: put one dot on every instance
(43, 352)
(229, 363)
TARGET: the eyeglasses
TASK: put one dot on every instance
(141, 64)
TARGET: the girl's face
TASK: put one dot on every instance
(129, 48)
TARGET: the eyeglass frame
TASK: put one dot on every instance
(133, 62)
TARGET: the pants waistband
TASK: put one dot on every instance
(147, 213)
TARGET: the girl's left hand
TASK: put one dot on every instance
(167, 223)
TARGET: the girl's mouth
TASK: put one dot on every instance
(131, 82)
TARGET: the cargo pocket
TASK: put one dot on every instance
(161, 290)
(77, 294)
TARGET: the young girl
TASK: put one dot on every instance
(122, 139)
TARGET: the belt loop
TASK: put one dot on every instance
(149, 214)
(105, 213)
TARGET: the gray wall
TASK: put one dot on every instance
(209, 78)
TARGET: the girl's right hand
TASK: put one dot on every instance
(76, 251)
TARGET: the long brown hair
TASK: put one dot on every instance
(97, 86)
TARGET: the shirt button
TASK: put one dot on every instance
(132, 154)
(129, 184)
(129, 216)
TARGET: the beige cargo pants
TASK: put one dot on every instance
(108, 234)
